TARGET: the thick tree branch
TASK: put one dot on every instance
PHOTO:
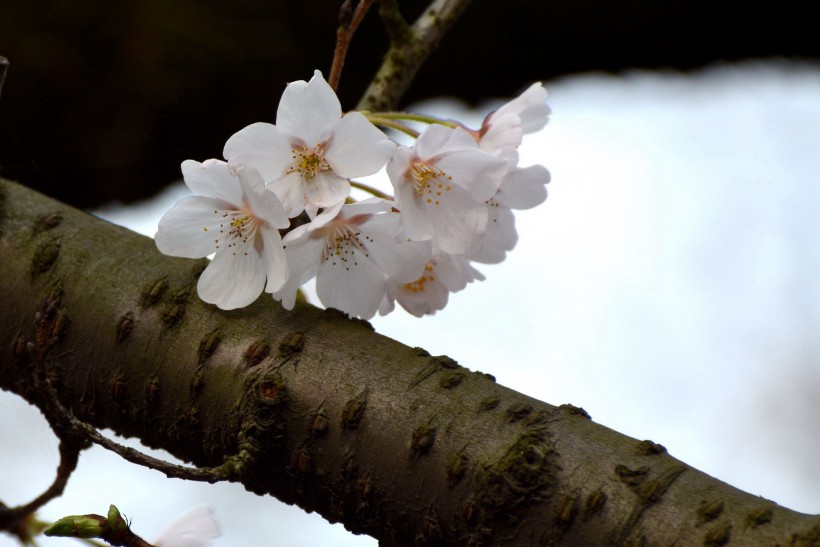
(325, 413)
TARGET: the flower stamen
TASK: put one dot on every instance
(424, 182)
(309, 162)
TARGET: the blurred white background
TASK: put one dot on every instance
(670, 285)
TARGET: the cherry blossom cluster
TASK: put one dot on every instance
(454, 193)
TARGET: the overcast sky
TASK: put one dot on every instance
(670, 285)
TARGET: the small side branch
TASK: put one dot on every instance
(349, 21)
(408, 50)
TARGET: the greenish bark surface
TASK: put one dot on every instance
(321, 411)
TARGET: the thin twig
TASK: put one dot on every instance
(406, 56)
(49, 326)
(347, 27)
(4, 67)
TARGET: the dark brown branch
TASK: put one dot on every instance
(349, 21)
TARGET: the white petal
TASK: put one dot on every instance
(455, 271)
(398, 165)
(273, 255)
(500, 236)
(326, 189)
(308, 110)
(264, 204)
(263, 146)
(320, 220)
(438, 140)
(415, 221)
(356, 289)
(524, 188)
(504, 132)
(233, 279)
(477, 172)
(302, 258)
(530, 106)
(357, 148)
(291, 192)
(190, 228)
(423, 297)
(213, 179)
(457, 221)
(194, 529)
(401, 261)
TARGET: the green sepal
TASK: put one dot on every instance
(115, 521)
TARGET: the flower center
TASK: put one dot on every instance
(308, 162)
(426, 183)
(417, 286)
(343, 240)
(236, 228)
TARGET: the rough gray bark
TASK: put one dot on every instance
(320, 411)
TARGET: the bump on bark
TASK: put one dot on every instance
(708, 511)
(524, 476)
(650, 448)
(45, 255)
(354, 411)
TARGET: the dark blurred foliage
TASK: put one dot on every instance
(103, 100)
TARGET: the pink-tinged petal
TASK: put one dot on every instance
(326, 189)
(234, 278)
(264, 204)
(524, 188)
(530, 106)
(504, 132)
(357, 148)
(356, 289)
(475, 171)
(308, 110)
(190, 229)
(212, 179)
(263, 146)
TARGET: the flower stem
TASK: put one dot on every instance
(371, 190)
(398, 126)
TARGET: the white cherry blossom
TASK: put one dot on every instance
(441, 184)
(353, 253)
(428, 293)
(308, 157)
(503, 129)
(521, 188)
(234, 218)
